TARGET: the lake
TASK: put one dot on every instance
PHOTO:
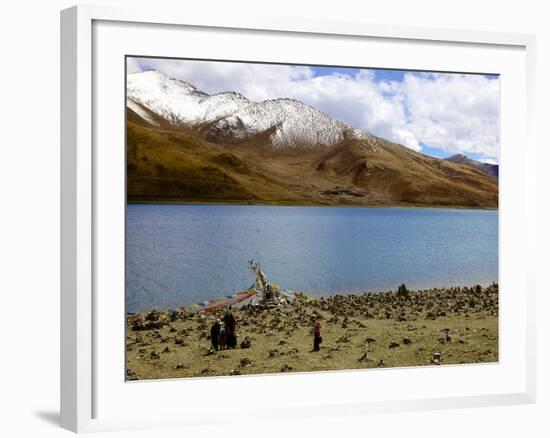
(182, 254)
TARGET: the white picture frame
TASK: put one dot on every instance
(81, 339)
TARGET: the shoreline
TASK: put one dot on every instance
(385, 329)
(315, 297)
(313, 204)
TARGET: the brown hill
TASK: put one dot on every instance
(489, 169)
(168, 163)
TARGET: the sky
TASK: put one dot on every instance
(438, 114)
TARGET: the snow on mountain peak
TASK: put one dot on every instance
(179, 101)
(294, 123)
(232, 116)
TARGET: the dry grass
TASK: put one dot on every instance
(171, 164)
(369, 331)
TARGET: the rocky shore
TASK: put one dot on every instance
(389, 329)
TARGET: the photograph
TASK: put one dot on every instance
(289, 218)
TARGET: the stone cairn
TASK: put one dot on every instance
(268, 293)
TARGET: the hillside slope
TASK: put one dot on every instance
(489, 169)
(184, 145)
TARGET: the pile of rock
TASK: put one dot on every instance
(153, 320)
(405, 305)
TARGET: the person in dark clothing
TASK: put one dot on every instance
(230, 326)
(223, 339)
(317, 339)
(215, 334)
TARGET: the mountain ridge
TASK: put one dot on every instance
(185, 147)
(488, 168)
(182, 103)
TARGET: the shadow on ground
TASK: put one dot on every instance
(51, 417)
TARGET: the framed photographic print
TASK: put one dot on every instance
(270, 206)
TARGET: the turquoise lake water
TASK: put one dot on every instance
(181, 254)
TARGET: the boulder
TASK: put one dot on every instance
(245, 361)
(130, 375)
(436, 358)
(246, 342)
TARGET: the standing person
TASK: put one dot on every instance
(317, 339)
(215, 334)
(223, 338)
(230, 323)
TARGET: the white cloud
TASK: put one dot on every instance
(488, 160)
(452, 112)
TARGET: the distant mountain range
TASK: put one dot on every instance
(184, 145)
(489, 169)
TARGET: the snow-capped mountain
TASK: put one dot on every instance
(180, 102)
(231, 116)
(185, 145)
